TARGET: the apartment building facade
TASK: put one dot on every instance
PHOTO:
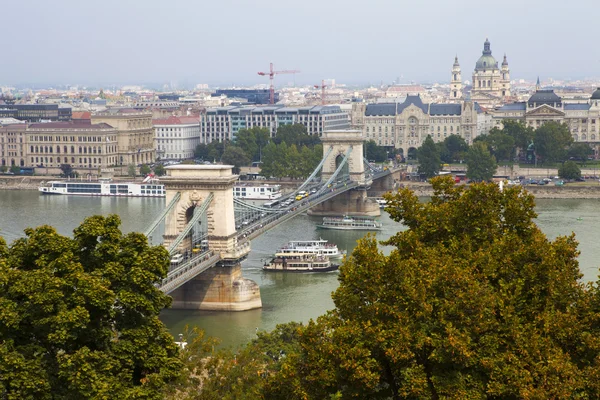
(176, 138)
(223, 123)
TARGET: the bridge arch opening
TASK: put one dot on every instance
(345, 171)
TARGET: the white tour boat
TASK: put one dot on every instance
(320, 246)
(256, 192)
(350, 223)
(104, 187)
(381, 203)
(300, 262)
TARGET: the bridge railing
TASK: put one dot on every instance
(188, 270)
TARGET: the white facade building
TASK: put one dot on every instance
(176, 137)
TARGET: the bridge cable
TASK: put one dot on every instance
(162, 216)
(337, 171)
(197, 215)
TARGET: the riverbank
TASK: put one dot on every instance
(579, 191)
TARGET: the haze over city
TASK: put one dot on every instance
(227, 42)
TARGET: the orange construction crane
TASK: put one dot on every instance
(271, 75)
(322, 86)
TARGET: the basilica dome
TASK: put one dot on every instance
(596, 94)
(486, 61)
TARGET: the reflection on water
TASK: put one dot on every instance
(286, 297)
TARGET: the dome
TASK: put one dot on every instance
(486, 61)
(596, 94)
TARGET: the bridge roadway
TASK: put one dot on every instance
(196, 264)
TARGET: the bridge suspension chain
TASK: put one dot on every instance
(337, 171)
(243, 204)
(162, 216)
(316, 171)
(197, 215)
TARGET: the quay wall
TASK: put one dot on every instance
(591, 191)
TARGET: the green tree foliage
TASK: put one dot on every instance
(481, 165)
(456, 148)
(67, 171)
(281, 160)
(79, 315)
(580, 151)
(552, 140)
(373, 152)
(252, 141)
(500, 144)
(210, 152)
(3, 168)
(15, 169)
(473, 302)
(144, 169)
(522, 134)
(429, 159)
(569, 170)
(235, 156)
(295, 134)
(159, 170)
(131, 170)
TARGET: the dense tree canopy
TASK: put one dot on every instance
(500, 144)
(210, 152)
(235, 156)
(252, 141)
(569, 170)
(580, 151)
(429, 159)
(159, 170)
(551, 141)
(373, 152)
(456, 148)
(79, 315)
(281, 160)
(481, 165)
(295, 134)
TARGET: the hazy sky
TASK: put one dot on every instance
(354, 41)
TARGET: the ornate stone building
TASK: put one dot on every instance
(136, 134)
(405, 126)
(583, 119)
(491, 84)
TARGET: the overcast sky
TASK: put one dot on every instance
(354, 41)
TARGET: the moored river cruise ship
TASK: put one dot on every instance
(256, 192)
(103, 188)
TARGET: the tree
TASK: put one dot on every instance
(252, 141)
(131, 170)
(159, 170)
(499, 143)
(456, 146)
(67, 171)
(3, 168)
(15, 169)
(235, 156)
(295, 134)
(201, 151)
(481, 165)
(522, 134)
(375, 152)
(144, 170)
(551, 141)
(428, 157)
(569, 170)
(580, 151)
(80, 315)
(472, 302)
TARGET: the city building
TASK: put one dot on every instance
(85, 146)
(135, 134)
(491, 84)
(254, 96)
(35, 112)
(583, 119)
(223, 123)
(405, 126)
(176, 138)
(456, 93)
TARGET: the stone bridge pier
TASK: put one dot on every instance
(222, 287)
(355, 201)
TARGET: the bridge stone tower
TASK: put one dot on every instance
(221, 287)
(353, 202)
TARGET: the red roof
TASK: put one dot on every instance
(173, 120)
(82, 115)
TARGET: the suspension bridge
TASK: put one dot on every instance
(206, 227)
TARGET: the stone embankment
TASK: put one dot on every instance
(590, 191)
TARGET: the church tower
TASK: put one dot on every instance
(455, 82)
(505, 79)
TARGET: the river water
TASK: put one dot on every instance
(286, 297)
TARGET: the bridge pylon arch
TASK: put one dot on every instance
(221, 287)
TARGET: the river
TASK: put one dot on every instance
(285, 297)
